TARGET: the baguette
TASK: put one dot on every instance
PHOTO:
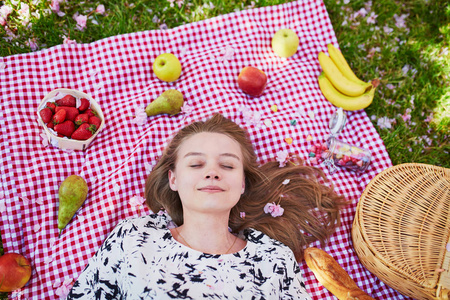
(332, 276)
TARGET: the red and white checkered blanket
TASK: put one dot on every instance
(117, 72)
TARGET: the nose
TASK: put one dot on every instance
(212, 174)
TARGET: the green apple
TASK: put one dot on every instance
(285, 42)
(167, 67)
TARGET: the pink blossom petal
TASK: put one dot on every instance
(98, 86)
(116, 188)
(313, 160)
(68, 41)
(48, 260)
(242, 214)
(32, 44)
(2, 206)
(2, 66)
(448, 247)
(81, 22)
(372, 18)
(226, 54)
(186, 109)
(25, 200)
(282, 157)
(148, 167)
(100, 9)
(400, 20)
(136, 201)
(44, 139)
(286, 181)
(5, 10)
(64, 289)
(141, 116)
(56, 284)
(274, 209)
(385, 122)
(40, 201)
(36, 228)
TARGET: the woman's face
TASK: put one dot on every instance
(209, 173)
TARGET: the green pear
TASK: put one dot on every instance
(72, 193)
(169, 102)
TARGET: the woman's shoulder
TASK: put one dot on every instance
(148, 222)
(266, 245)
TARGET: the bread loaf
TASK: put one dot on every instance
(332, 276)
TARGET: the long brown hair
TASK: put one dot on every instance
(311, 207)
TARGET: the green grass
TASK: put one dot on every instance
(412, 62)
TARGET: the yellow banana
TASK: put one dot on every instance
(340, 100)
(340, 82)
(340, 61)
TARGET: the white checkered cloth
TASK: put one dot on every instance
(117, 72)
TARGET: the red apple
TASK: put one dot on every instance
(252, 81)
(15, 271)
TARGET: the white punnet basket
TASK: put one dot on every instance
(66, 143)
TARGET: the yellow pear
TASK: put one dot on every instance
(169, 102)
(72, 193)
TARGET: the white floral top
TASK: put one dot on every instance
(141, 260)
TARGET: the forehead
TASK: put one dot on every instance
(210, 142)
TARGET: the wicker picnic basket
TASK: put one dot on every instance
(401, 229)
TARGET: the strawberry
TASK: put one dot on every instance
(81, 118)
(84, 132)
(50, 125)
(84, 104)
(67, 100)
(91, 112)
(66, 128)
(71, 112)
(59, 117)
(51, 105)
(46, 114)
(95, 120)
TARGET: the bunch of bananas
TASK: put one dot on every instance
(340, 85)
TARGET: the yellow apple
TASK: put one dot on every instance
(285, 42)
(167, 67)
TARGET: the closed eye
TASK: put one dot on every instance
(195, 166)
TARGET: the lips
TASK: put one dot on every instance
(211, 188)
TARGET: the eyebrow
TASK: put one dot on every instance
(222, 154)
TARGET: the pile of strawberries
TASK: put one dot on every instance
(67, 120)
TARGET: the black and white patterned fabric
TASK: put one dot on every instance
(141, 260)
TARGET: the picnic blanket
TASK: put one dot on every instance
(117, 73)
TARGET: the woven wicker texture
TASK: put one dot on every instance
(402, 228)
